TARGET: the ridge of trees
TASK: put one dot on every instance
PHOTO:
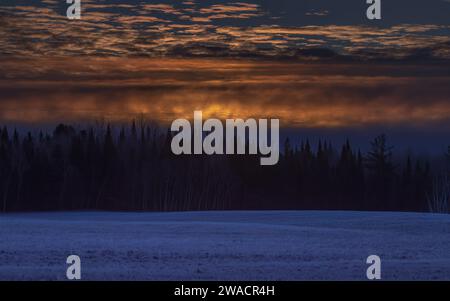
(132, 168)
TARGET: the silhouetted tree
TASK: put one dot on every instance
(134, 169)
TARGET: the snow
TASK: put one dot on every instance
(225, 245)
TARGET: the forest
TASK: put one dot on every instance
(131, 168)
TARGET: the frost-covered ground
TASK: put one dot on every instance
(272, 245)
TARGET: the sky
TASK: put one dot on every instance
(317, 65)
(284, 28)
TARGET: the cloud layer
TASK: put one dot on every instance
(165, 59)
(205, 28)
(301, 95)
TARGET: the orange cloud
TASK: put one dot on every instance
(301, 95)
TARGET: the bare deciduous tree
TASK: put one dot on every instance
(439, 198)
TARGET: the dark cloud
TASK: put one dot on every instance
(274, 29)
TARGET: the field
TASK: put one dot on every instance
(225, 245)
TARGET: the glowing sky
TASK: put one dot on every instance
(300, 94)
(313, 64)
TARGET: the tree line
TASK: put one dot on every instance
(132, 168)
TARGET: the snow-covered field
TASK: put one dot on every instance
(268, 245)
